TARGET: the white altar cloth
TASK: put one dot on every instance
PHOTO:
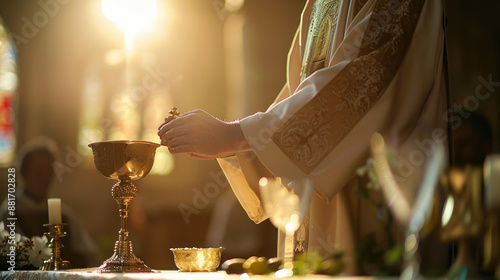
(79, 274)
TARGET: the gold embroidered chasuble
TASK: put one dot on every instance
(355, 68)
(322, 23)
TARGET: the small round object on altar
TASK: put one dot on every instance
(197, 259)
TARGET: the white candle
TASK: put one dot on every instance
(492, 182)
(54, 210)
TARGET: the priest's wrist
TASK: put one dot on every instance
(238, 143)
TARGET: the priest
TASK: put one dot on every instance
(355, 67)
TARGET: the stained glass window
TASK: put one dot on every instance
(8, 87)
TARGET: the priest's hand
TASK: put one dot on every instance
(202, 136)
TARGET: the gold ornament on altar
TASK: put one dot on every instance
(462, 219)
(197, 259)
(124, 161)
(56, 231)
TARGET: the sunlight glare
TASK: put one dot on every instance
(132, 16)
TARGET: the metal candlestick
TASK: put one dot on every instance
(55, 262)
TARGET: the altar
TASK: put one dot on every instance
(463, 215)
(78, 274)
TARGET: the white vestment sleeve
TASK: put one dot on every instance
(413, 100)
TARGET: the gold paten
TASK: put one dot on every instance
(197, 259)
(124, 161)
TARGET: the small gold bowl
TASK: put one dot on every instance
(197, 259)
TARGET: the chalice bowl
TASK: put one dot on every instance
(124, 161)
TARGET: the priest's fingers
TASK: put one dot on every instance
(175, 141)
(163, 143)
(183, 145)
(194, 117)
(174, 137)
(170, 125)
(172, 121)
(196, 156)
(163, 128)
(169, 118)
(170, 132)
(165, 121)
(180, 149)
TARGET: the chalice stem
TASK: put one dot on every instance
(411, 255)
(288, 262)
(464, 259)
(123, 234)
(287, 269)
(124, 192)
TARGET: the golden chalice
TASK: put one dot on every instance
(124, 161)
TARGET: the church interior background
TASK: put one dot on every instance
(80, 79)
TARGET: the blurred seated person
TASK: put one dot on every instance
(472, 142)
(472, 139)
(34, 166)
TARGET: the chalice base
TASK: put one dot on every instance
(54, 265)
(123, 260)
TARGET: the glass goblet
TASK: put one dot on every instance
(286, 207)
(414, 216)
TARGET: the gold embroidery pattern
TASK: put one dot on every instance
(358, 4)
(319, 35)
(322, 123)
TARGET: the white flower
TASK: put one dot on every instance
(39, 252)
(3, 232)
(4, 235)
(20, 240)
(4, 238)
